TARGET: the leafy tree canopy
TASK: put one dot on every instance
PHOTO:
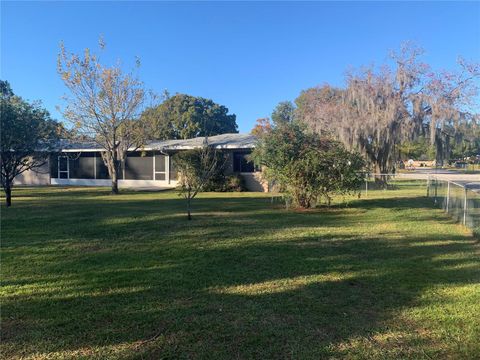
(306, 166)
(283, 113)
(379, 108)
(262, 127)
(419, 149)
(183, 116)
(27, 134)
(5, 89)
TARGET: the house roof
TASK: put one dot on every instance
(69, 145)
(223, 141)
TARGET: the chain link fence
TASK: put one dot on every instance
(459, 199)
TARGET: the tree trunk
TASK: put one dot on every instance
(8, 196)
(380, 171)
(114, 185)
(115, 175)
(189, 215)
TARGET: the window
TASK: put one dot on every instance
(138, 167)
(101, 170)
(160, 171)
(82, 167)
(242, 163)
(88, 165)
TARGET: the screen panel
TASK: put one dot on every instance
(173, 169)
(159, 163)
(101, 168)
(138, 167)
(83, 167)
(63, 163)
(159, 176)
(160, 167)
(54, 166)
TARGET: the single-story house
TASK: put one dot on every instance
(80, 163)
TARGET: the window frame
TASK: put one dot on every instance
(164, 172)
(63, 171)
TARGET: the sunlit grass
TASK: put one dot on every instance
(282, 285)
(90, 275)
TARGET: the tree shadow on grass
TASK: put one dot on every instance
(208, 289)
(404, 202)
(258, 301)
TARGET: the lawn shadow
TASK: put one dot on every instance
(244, 279)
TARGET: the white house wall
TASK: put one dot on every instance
(38, 176)
(108, 182)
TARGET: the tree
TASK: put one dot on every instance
(466, 144)
(262, 127)
(306, 166)
(196, 168)
(419, 149)
(5, 89)
(283, 113)
(104, 105)
(380, 108)
(27, 135)
(183, 116)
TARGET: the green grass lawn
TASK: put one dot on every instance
(90, 275)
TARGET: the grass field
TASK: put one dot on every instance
(90, 275)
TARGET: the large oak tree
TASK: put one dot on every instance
(380, 108)
(183, 116)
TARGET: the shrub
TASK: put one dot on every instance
(476, 233)
(235, 183)
(306, 166)
(225, 183)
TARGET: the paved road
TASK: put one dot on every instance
(441, 174)
(472, 181)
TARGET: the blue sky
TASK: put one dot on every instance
(246, 56)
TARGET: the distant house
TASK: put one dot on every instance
(408, 164)
(80, 163)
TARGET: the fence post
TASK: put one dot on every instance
(465, 207)
(428, 186)
(448, 195)
(435, 194)
(366, 186)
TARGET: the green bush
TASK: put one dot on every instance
(226, 183)
(235, 183)
(476, 232)
(308, 167)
